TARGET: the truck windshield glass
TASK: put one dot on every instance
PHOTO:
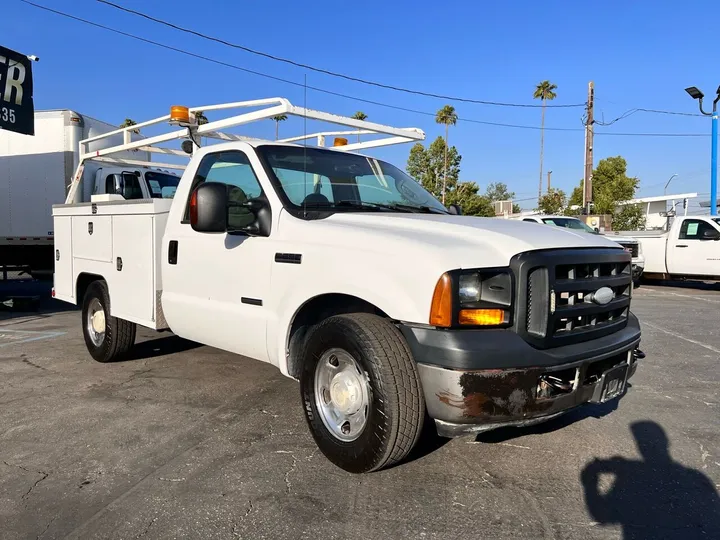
(319, 179)
(569, 223)
(162, 185)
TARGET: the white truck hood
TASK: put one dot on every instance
(459, 241)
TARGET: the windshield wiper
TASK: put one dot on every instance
(419, 209)
(409, 208)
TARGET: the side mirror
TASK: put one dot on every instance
(119, 184)
(218, 208)
(209, 208)
(455, 210)
(711, 234)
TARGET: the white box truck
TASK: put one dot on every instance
(347, 275)
(35, 172)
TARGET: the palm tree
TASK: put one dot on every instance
(359, 116)
(449, 117)
(546, 92)
(277, 119)
(130, 122)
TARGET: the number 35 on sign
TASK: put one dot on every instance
(16, 92)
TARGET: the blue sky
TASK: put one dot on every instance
(639, 54)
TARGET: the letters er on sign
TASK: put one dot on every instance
(17, 112)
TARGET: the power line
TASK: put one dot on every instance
(324, 71)
(609, 133)
(636, 110)
(324, 91)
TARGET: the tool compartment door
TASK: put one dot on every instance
(132, 287)
(63, 274)
(92, 238)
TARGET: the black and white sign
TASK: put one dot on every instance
(17, 112)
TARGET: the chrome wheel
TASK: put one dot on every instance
(342, 394)
(96, 322)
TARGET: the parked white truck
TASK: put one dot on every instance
(344, 273)
(690, 249)
(631, 245)
(35, 172)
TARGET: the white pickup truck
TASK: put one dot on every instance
(690, 249)
(344, 273)
(631, 245)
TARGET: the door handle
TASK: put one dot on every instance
(681, 245)
(172, 252)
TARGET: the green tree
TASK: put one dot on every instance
(448, 117)
(277, 119)
(611, 185)
(359, 116)
(629, 217)
(427, 166)
(129, 122)
(498, 191)
(544, 91)
(553, 201)
(466, 196)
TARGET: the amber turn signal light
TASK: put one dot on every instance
(481, 317)
(441, 307)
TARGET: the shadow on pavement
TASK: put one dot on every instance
(161, 346)
(654, 497)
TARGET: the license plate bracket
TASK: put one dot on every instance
(611, 384)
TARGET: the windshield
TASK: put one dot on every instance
(570, 223)
(317, 178)
(716, 220)
(161, 185)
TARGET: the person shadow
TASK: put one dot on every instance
(653, 498)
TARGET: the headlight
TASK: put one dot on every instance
(469, 288)
(473, 298)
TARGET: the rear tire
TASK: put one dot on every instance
(361, 361)
(107, 338)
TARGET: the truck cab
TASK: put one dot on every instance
(135, 183)
(689, 249)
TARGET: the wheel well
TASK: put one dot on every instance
(316, 310)
(83, 282)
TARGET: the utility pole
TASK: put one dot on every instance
(587, 178)
(549, 173)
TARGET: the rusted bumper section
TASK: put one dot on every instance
(470, 401)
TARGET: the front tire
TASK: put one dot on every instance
(107, 338)
(361, 392)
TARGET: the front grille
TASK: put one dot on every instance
(632, 248)
(559, 296)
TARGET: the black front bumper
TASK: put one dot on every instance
(475, 380)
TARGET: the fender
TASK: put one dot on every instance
(391, 299)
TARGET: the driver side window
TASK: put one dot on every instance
(233, 169)
(694, 229)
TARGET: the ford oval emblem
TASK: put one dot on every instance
(603, 296)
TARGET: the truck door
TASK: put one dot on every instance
(216, 286)
(690, 253)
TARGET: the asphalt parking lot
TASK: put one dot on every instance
(185, 441)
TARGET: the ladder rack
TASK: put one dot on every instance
(217, 130)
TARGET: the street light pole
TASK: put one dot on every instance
(697, 94)
(668, 183)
